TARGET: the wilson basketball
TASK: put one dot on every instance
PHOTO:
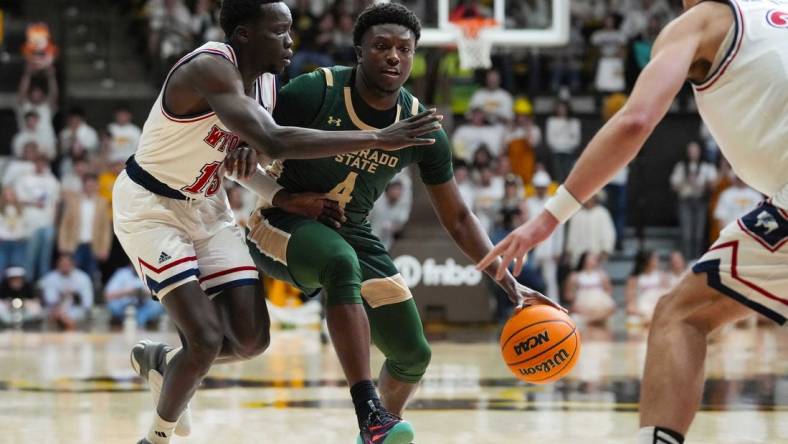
(540, 344)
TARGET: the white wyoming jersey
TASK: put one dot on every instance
(186, 152)
(744, 100)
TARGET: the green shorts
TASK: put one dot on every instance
(305, 253)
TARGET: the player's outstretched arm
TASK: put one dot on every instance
(466, 231)
(221, 85)
(620, 139)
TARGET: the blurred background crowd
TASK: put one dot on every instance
(77, 87)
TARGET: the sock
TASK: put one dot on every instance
(161, 431)
(171, 354)
(362, 392)
(659, 435)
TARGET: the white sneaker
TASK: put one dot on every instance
(149, 360)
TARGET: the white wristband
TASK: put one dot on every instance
(261, 184)
(563, 205)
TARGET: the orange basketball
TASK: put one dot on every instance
(540, 344)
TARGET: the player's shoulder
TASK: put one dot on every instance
(699, 16)
(323, 77)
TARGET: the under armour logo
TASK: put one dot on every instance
(160, 434)
(332, 121)
(767, 221)
(163, 257)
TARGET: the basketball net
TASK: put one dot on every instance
(472, 44)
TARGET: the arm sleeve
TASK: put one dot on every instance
(435, 165)
(297, 104)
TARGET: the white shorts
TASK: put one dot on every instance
(171, 242)
(749, 262)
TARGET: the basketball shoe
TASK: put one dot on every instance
(149, 359)
(383, 427)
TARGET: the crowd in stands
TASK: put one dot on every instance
(55, 206)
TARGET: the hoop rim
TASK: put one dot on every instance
(471, 27)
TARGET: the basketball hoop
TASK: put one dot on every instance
(472, 43)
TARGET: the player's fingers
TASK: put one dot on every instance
(229, 165)
(332, 213)
(251, 163)
(325, 220)
(418, 141)
(334, 205)
(520, 258)
(492, 255)
(422, 115)
(508, 257)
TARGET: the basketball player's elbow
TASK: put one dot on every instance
(636, 123)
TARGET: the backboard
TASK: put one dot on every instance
(531, 23)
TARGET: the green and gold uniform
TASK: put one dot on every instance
(349, 263)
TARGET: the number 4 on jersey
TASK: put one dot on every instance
(343, 192)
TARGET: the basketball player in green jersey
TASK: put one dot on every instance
(365, 293)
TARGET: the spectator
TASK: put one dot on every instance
(461, 176)
(645, 286)
(170, 33)
(39, 194)
(13, 231)
(68, 293)
(20, 167)
(566, 61)
(17, 297)
(522, 141)
(548, 253)
(510, 219)
(591, 230)
(344, 51)
(72, 182)
(316, 47)
(390, 214)
(692, 180)
(125, 134)
(470, 136)
(611, 44)
(125, 289)
(735, 202)
(482, 158)
(32, 133)
(512, 194)
(78, 137)
(588, 291)
(205, 22)
(563, 139)
(496, 102)
(487, 198)
(31, 97)
(725, 177)
(86, 229)
(106, 180)
(678, 266)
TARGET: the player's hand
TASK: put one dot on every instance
(514, 246)
(242, 162)
(312, 205)
(408, 132)
(522, 296)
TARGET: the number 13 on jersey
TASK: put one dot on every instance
(343, 192)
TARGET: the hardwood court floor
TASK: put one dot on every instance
(78, 388)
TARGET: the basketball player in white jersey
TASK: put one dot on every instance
(171, 213)
(736, 55)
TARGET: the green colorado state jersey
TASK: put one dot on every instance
(326, 100)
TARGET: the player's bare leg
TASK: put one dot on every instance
(674, 375)
(202, 336)
(395, 394)
(349, 330)
(246, 326)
